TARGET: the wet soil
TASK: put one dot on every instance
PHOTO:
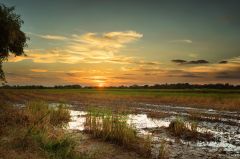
(225, 145)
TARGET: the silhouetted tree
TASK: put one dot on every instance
(12, 39)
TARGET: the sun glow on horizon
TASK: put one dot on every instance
(101, 85)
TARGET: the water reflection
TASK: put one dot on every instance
(142, 123)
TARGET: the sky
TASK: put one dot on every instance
(113, 42)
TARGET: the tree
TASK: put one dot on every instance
(12, 39)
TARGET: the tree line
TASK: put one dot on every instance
(155, 86)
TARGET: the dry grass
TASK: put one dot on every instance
(35, 132)
(215, 100)
(163, 152)
(188, 131)
(112, 127)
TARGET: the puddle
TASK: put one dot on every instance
(228, 135)
(19, 105)
(141, 121)
(77, 120)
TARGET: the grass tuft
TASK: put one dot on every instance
(163, 152)
(114, 127)
(188, 131)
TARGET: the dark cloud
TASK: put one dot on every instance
(179, 61)
(198, 62)
(223, 62)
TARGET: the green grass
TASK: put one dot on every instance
(150, 92)
(202, 98)
(147, 92)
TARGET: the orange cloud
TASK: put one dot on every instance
(38, 70)
(86, 48)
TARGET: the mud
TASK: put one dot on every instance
(227, 135)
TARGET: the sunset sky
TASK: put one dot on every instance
(125, 42)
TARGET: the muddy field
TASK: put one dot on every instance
(151, 115)
(225, 129)
(199, 98)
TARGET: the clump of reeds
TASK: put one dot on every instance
(60, 116)
(178, 127)
(110, 126)
(188, 130)
(114, 127)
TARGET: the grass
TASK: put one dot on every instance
(35, 131)
(202, 98)
(56, 116)
(188, 131)
(178, 127)
(114, 127)
(163, 152)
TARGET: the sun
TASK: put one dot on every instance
(101, 85)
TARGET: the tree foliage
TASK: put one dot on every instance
(12, 39)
